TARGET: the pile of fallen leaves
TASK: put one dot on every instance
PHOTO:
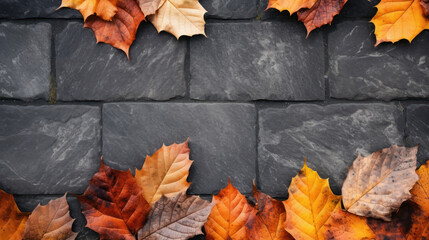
(395, 20)
(384, 197)
(116, 21)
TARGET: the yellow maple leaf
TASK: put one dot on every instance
(105, 9)
(291, 6)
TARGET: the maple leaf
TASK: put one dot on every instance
(105, 9)
(271, 216)
(291, 6)
(309, 205)
(396, 20)
(347, 226)
(113, 204)
(421, 188)
(180, 217)
(150, 7)
(377, 185)
(12, 220)
(180, 18)
(165, 172)
(229, 216)
(51, 221)
(121, 31)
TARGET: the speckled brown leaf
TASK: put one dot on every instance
(121, 31)
(377, 185)
(51, 221)
(12, 220)
(176, 218)
(346, 226)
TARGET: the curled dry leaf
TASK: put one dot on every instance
(113, 204)
(396, 20)
(377, 185)
(105, 9)
(425, 5)
(176, 218)
(150, 7)
(309, 205)
(121, 31)
(229, 216)
(291, 6)
(347, 226)
(165, 172)
(180, 18)
(12, 220)
(51, 221)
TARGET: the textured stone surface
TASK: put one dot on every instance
(230, 9)
(48, 149)
(34, 9)
(330, 137)
(222, 139)
(360, 71)
(359, 8)
(25, 64)
(90, 71)
(265, 13)
(277, 62)
(417, 130)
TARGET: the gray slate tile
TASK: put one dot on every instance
(330, 137)
(359, 8)
(258, 60)
(222, 139)
(35, 9)
(25, 64)
(358, 70)
(48, 149)
(417, 130)
(230, 9)
(90, 71)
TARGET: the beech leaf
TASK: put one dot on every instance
(176, 218)
(377, 185)
(51, 221)
(347, 226)
(113, 204)
(12, 220)
(105, 9)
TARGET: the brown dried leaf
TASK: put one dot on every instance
(377, 185)
(346, 226)
(425, 6)
(150, 7)
(12, 220)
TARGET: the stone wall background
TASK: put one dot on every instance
(255, 98)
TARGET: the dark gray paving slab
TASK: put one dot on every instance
(25, 60)
(48, 149)
(35, 9)
(417, 130)
(358, 70)
(230, 9)
(258, 60)
(222, 139)
(90, 71)
(330, 137)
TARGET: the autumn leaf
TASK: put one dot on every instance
(165, 172)
(425, 5)
(179, 217)
(113, 204)
(309, 205)
(229, 216)
(51, 221)
(271, 215)
(121, 31)
(291, 6)
(105, 9)
(377, 185)
(12, 220)
(396, 20)
(150, 7)
(347, 226)
(421, 188)
(180, 18)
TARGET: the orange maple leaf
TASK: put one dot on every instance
(12, 220)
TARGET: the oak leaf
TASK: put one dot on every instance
(113, 204)
(396, 20)
(176, 218)
(377, 185)
(105, 9)
(229, 216)
(12, 220)
(150, 7)
(180, 18)
(271, 216)
(309, 205)
(291, 6)
(121, 31)
(51, 221)
(347, 226)
(165, 172)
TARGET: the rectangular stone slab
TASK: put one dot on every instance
(330, 137)
(417, 130)
(230, 9)
(221, 138)
(48, 149)
(35, 9)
